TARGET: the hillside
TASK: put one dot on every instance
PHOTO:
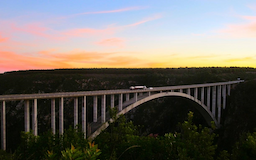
(167, 112)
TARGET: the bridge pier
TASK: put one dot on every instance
(229, 88)
(219, 102)
(120, 102)
(208, 97)
(188, 91)
(26, 116)
(224, 92)
(195, 93)
(95, 108)
(112, 101)
(3, 126)
(53, 116)
(214, 100)
(127, 97)
(136, 96)
(61, 116)
(75, 112)
(34, 117)
(103, 108)
(202, 95)
(84, 116)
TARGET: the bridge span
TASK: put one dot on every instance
(211, 98)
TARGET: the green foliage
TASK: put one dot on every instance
(89, 153)
(122, 142)
(245, 149)
(5, 156)
(194, 142)
(36, 147)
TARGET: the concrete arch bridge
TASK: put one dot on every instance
(211, 98)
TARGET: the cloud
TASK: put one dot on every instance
(244, 59)
(80, 32)
(146, 20)
(2, 39)
(108, 11)
(242, 30)
(111, 42)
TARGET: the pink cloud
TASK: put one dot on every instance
(146, 20)
(111, 42)
(245, 30)
(109, 11)
(80, 32)
(2, 39)
(240, 30)
(51, 59)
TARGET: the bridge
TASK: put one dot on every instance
(211, 98)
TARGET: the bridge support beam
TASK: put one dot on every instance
(95, 106)
(224, 92)
(219, 103)
(136, 97)
(84, 116)
(229, 88)
(34, 117)
(120, 103)
(75, 112)
(61, 116)
(53, 116)
(3, 127)
(112, 101)
(202, 95)
(188, 91)
(103, 109)
(127, 97)
(208, 97)
(195, 93)
(26, 116)
(214, 101)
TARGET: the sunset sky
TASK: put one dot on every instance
(49, 34)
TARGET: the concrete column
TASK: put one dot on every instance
(149, 93)
(84, 116)
(181, 91)
(61, 116)
(213, 100)
(127, 97)
(112, 101)
(136, 97)
(26, 116)
(34, 117)
(229, 88)
(202, 95)
(120, 103)
(95, 105)
(188, 91)
(3, 127)
(195, 93)
(75, 112)
(208, 97)
(53, 116)
(103, 109)
(172, 90)
(219, 103)
(224, 92)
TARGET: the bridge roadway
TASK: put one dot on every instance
(210, 96)
(15, 97)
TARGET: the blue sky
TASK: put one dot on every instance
(126, 34)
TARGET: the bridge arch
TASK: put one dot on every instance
(202, 108)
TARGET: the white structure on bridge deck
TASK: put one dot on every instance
(211, 98)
